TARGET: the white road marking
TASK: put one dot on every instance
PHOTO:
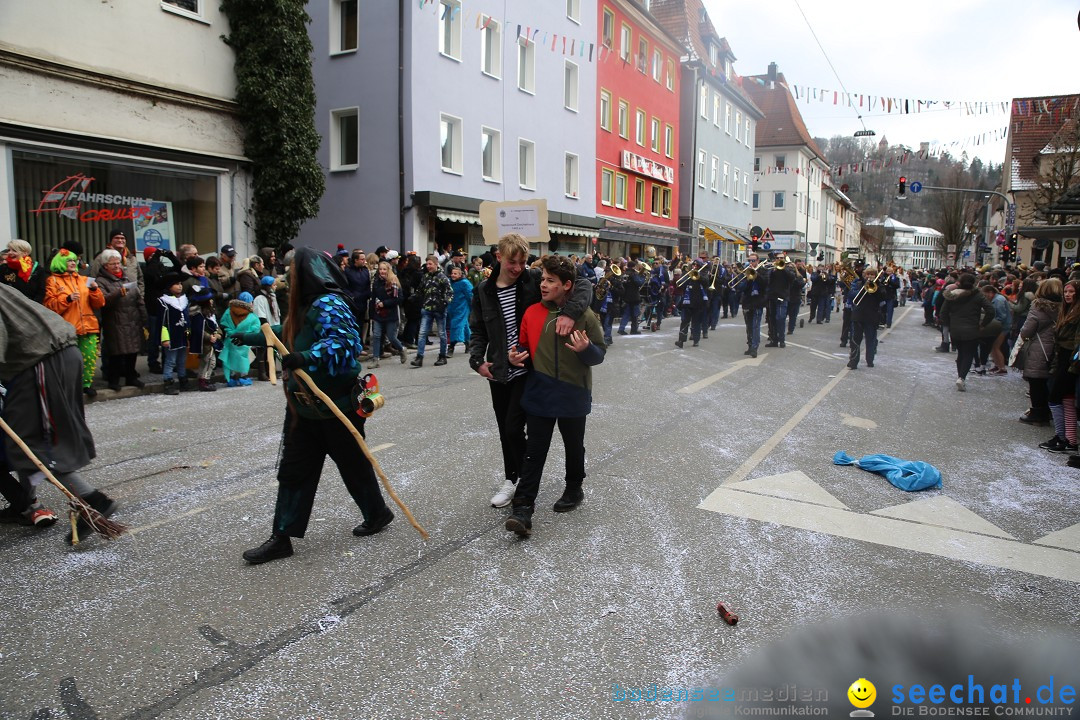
(813, 351)
(943, 511)
(944, 542)
(1068, 538)
(384, 446)
(738, 365)
(795, 485)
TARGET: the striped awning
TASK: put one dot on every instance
(458, 216)
(571, 230)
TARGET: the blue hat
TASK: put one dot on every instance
(245, 297)
(267, 280)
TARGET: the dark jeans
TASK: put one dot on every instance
(384, 329)
(691, 321)
(824, 308)
(793, 315)
(965, 354)
(410, 331)
(630, 314)
(540, 430)
(304, 449)
(845, 326)
(1040, 393)
(752, 318)
(506, 401)
(859, 332)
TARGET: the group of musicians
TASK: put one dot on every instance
(702, 291)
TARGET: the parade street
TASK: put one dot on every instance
(710, 478)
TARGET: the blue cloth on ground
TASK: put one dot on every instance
(909, 475)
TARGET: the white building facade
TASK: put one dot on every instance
(97, 132)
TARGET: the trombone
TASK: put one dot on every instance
(868, 289)
(691, 274)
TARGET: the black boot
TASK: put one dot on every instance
(278, 546)
(183, 383)
(571, 498)
(520, 523)
(170, 388)
(441, 360)
(681, 340)
(370, 527)
(418, 361)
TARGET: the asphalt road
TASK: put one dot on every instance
(710, 478)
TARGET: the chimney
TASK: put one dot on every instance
(772, 75)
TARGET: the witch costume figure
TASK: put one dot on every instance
(323, 338)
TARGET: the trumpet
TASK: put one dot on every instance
(868, 289)
(691, 274)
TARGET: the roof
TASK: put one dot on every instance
(1033, 124)
(783, 124)
(690, 21)
(890, 224)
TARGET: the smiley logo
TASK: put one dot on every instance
(862, 693)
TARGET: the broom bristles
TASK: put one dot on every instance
(99, 523)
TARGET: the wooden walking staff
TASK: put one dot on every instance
(272, 341)
(98, 522)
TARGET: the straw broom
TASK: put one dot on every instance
(98, 522)
(273, 341)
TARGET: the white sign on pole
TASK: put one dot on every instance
(950, 248)
(525, 217)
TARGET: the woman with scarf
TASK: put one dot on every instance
(75, 298)
(323, 339)
(22, 272)
(122, 321)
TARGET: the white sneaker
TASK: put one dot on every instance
(961, 385)
(505, 495)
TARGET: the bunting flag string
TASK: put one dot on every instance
(935, 149)
(899, 106)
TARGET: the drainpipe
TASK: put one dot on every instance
(693, 161)
(401, 126)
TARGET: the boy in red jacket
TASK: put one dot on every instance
(558, 390)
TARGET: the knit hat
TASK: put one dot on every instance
(116, 231)
(267, 280)
(341, 252)
(245, 297)
(148, 252)
(60, 261)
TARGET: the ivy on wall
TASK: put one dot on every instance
(276, 96)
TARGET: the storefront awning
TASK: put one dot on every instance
(457, 216)
(630, 231)
(722, 232)
(571, 230)
(1050, 232)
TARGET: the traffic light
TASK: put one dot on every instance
(1008, 250)
(901, 187)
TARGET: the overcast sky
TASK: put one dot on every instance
(966, 50)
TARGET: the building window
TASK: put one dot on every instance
(607, 186)
(344, 26)
(620, 191)
(669, 75)
(570, 86)
(526, 65)
(643, 55)
(450, 140)
(624, 42)
(714, 176)
(666, 207)
(490, 46)
(657, 64)
(608, 36)
(746, 188)
(527, 164)
(738, 126)
(714, 54)
(780, 161)
(746, 136)
(702, 158)
(735, 186)
(727, 170)
(655, 135)
(756, 200)
(716, 109)
(639, 195)
(624, 119)
(669, 141)
(757, 164)
(778, 200)
(639, 132)
(344, 139)
(656, 200)
(450, 28)
(703, 101)
(573, 10)
(491, 154)
(570, 176)
(605, 110)
(727, 118)
(191, 8)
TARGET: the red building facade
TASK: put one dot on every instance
(637, 132)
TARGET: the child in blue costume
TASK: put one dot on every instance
(457, 313)
(240, 319)
(323, 339)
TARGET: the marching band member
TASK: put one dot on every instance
(780, 282)
(754, 293)
(864, 317)
(693, 301)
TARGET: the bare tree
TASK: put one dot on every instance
(954, 211)
(1058, 168)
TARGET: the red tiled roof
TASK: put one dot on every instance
(783, 124)
(688, 21)
(1033, 124)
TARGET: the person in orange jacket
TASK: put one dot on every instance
(75, 298)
